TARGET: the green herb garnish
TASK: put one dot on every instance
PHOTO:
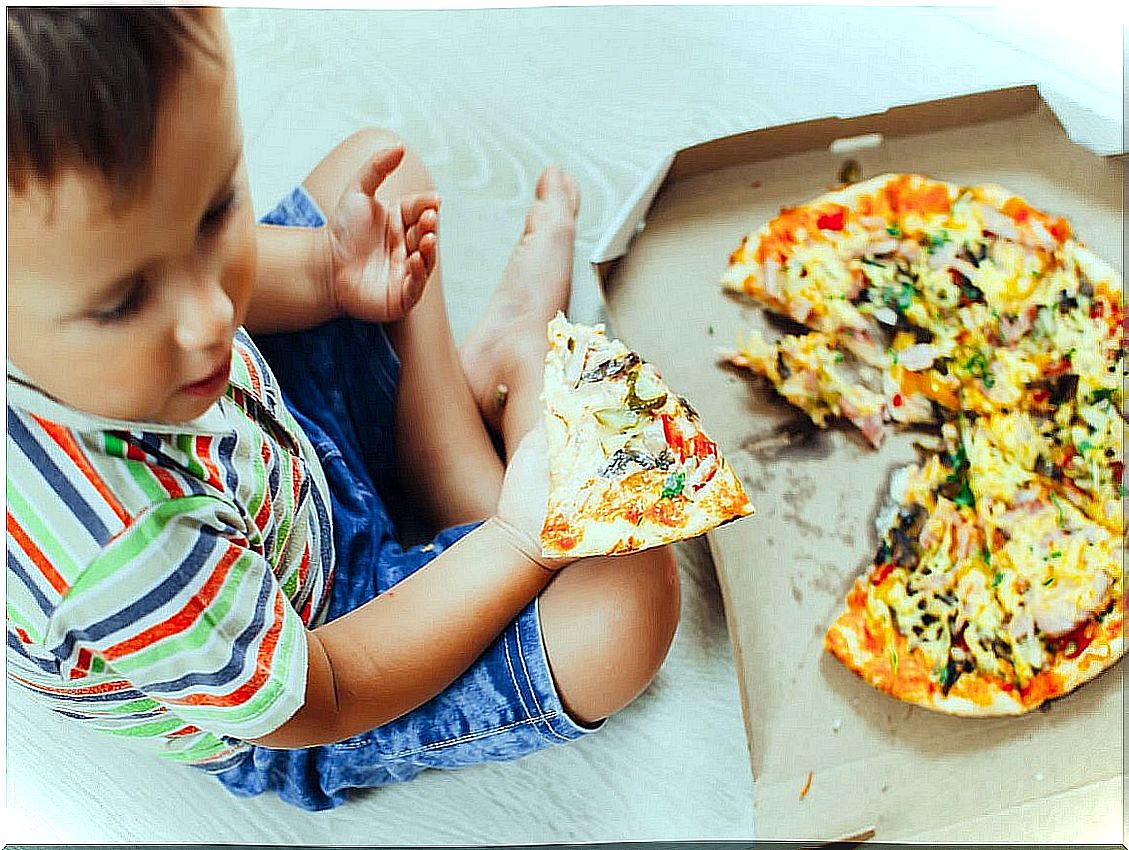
(977, 366)
(894, 230)
(965, 497)
(673, 485)
(1061, 512)
(948, 675)
(936, 240)
(1100, 395)
(997, 578)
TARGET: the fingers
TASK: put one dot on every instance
(421, 219)
(420, 265)
(377, 169)
(428, 225)
(415, 208)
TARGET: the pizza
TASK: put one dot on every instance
(998, 581)
(630, 466)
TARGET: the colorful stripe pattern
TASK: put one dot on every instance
(158, 584)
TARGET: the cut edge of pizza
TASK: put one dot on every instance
(630, 466)
(812, 373)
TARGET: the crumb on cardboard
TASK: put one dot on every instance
(807, 785)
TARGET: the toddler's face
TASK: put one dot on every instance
(130, 312)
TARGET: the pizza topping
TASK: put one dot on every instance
(622, 460)
(644, 392)
(617, 419)
(673, 485)
(611, 368)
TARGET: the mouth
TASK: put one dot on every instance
(212, 384)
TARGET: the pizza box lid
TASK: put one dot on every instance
(832, 757)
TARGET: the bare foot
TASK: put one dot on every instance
(504, 355)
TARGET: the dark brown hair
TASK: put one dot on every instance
(85, 85)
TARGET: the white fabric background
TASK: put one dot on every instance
(489, 97)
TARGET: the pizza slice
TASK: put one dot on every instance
(814, 374)
(630, 466)
(990, 593)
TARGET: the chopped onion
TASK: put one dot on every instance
(772, 278)
(918, 357)
(800, 310)
(886, 316)
(882, 246)
(943, 256)
(998, 223)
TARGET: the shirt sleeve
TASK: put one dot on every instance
(179, 605)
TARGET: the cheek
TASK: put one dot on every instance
(239, 267)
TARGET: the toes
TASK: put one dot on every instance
(555, 181)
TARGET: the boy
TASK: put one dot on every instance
(199, 555)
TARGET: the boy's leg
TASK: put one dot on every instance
(446, 396)
(607, 623)
(435, 408)
(506, 349)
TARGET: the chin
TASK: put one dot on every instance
(197, 407)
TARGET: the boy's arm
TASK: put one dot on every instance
(292, 280)
(399, 650)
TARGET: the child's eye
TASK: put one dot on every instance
(126, 307)
(216, 215)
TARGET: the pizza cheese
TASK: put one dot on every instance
(998, 583)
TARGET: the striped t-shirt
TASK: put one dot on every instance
(159, 577)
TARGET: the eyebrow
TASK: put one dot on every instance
(121, 284)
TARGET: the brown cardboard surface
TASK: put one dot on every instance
(875, 762)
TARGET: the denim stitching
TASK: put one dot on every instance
(471, 736)
(533, 692)
(353, 745)
(513, 677)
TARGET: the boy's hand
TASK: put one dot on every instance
(525, 492)
(380, 257)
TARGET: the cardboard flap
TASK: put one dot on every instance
(630, 218)
(1086, 128)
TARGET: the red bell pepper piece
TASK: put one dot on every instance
(834, 220)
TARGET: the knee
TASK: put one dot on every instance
(334, 173)
(412, 174)
(608, 637)
(640, 614)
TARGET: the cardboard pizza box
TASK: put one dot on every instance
(832, 757)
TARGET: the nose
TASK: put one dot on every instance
(204, 316)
